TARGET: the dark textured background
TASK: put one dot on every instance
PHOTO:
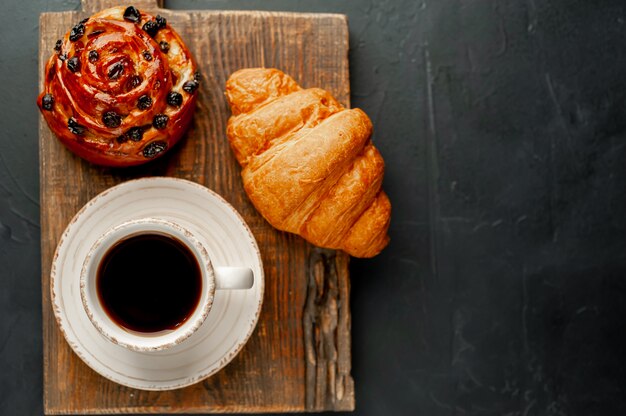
(503, 127)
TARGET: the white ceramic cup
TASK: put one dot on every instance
(213, 278)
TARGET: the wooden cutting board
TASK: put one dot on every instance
(299, 356)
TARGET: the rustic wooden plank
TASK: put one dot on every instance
(270, 374)
(92, 6)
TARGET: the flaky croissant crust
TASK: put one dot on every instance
(309, 166)
(120, 88)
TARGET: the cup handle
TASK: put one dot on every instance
(228, 278)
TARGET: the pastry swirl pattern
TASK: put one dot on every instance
(120, 88)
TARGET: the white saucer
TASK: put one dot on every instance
(234, 313)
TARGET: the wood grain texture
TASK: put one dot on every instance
(327, 333)
(298, 358)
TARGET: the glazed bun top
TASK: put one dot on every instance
(120, 88)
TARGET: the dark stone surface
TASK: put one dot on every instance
(503, 127)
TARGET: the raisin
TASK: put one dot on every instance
(135, 134)
(47, 102)
(111, 119)
(154, 149)
(93, 56)
(132, 14)
(147, 55)
(174, 99)
(73, 64)
(160, 20)
(63, 57)
(159, 121)
(57, 45)
(197, 77)
(144, 102)
(151, 28)
(116, 71)
(77, 32)
(74, 127)
(164, 46)
(191, 86)
(133, 82)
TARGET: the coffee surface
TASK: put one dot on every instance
(149, 283)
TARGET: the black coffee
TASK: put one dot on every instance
(149, 283)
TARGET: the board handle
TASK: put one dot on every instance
(93, 6)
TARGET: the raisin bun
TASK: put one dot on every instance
(120, 89)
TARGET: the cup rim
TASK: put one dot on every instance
(206, 269)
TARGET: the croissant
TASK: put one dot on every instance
(309, 166)
(120, 88)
